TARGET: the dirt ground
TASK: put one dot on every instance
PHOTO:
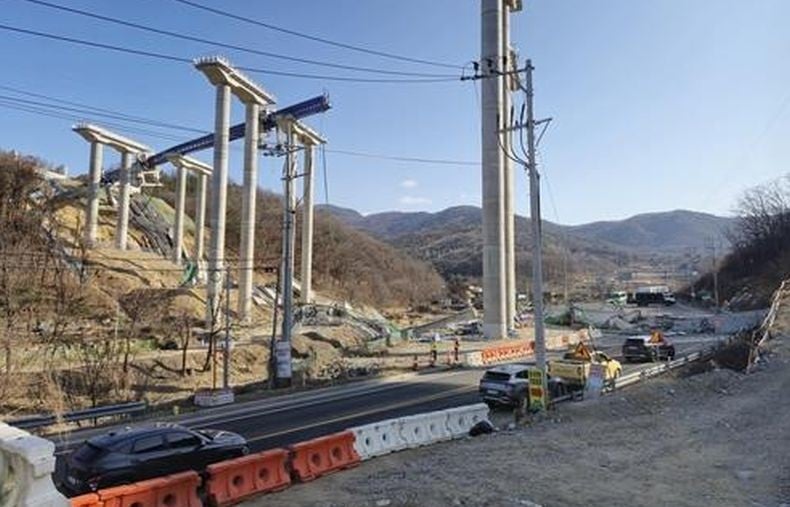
(714, 438)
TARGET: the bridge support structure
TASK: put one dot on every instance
(228, 81)
(185, 165)
(99, 137)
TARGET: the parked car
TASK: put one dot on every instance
(654, 347)
(139, 453)
(507, 384)
(504, 384)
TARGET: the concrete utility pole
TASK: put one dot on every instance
(493, 176)
(537, 233)
(283, 346)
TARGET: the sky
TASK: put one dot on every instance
(656, 105)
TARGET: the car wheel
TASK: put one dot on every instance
(245, 450)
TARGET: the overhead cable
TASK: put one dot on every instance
(314, 38)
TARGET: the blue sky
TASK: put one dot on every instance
(657, 105)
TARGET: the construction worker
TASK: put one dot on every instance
(456, 349)
(434, 352)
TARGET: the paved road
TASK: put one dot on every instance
(281, 421)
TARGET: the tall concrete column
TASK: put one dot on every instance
(493, 184)
(247, 250)
(122, 227)
(200, 217)
(307, 224)
(219, 195)
(510, 226)
(94, 180)
(178, 227)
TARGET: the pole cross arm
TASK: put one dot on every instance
(96, 134)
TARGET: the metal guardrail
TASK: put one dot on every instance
(40, 421)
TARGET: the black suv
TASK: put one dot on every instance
(643, 348)
(135, 454)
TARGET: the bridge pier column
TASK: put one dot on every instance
(200, 220)
(219, 195)
(178, 227)
(94, 179)
(307, 224)
(249, 191)
(122, 227)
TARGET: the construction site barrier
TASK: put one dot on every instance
(378, 439)
(323, 455)
(424, 429)
(89, 500)
(26, 466)
(177, 490)
(460, 420)
(231, 481)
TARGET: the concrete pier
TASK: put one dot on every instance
(510, 238)
(227, 81)
(219, 197)
(94, 179)
(99, 138)
(178, 227)
(200, 217)
(493, 177)
(122, 227)
(249, 193)
(307, 224)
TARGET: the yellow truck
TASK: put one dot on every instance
(574, 368)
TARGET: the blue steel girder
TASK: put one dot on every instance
(298, 111)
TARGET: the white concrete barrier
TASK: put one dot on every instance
(424, 429)
(377, 439)
(461, 419)
(26, 466)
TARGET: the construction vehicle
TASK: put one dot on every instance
(574, 367)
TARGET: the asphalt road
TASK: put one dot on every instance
(279, 421)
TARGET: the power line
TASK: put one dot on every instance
(37, 107)
(108, 114)
(180, 59)
(314, 38)
(235, 47)
(404, 159)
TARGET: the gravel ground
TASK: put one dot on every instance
(715, 438)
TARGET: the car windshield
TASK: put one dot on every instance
(87, 453)
(496, 376)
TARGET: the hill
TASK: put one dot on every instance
(666, 231)
(451, 240)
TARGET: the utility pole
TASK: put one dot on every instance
(715, 271)
(226, 355)
(283, 346)
(537, 233)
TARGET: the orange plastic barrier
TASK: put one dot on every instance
(178, 490)
(234, 480)
(88, 500)
(323, 455)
